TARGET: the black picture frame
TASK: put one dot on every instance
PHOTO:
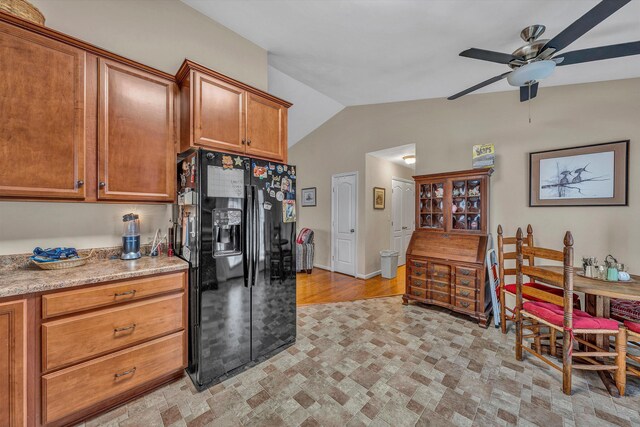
(620, 175)
(303, 199)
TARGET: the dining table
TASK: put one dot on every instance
(598, 294)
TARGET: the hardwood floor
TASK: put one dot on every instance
(323, 286)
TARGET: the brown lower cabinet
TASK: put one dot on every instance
(13, 363)
(91, 348)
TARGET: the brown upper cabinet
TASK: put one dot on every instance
(42, 116)
(219, 113)
(79, 123)
(136, 137)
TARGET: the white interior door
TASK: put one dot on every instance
(397, 233)
(344, 199)
(402, 216)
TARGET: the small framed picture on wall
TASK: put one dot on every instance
(308, 196)
(591, 175)
(378, 197)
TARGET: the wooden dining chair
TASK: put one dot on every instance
(633, 335)
(532, 291)
(561, 317)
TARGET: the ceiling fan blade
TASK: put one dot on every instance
(479, 85)
(599, 53)
(489, 55)
(599, 13)
(524, 92)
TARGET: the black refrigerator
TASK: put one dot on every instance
(235, 225)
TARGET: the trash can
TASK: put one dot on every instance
(389, 263)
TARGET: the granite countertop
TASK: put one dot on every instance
(28, 278)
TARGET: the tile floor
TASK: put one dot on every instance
(376, 362)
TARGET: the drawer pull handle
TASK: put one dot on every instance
(464, 304)
(418, 273)
(124, 328)
(122, 374)
(418, 264)
(465, 293)
(465, 272)
(464, 282)
(122, 294)
(441, 285)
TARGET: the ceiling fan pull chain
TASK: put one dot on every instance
(529, 102)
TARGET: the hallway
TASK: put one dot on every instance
(323, 286)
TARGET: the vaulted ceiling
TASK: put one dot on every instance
(374, 51)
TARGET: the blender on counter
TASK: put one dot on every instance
(131, 237)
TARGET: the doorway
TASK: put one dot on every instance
(402, 216)
(344, 229)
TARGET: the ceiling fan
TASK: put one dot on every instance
(535, 60)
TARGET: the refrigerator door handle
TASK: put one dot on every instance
(248, 234)
(256, 239)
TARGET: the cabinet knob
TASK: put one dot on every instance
(80, 183)
(243, 141)
(101, 184)
(248, 142)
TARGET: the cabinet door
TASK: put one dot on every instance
(218, 114)
(13, 363)
(42, 128)
(266, 128)
(136, 137)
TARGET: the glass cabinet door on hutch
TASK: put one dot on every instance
(466, 205)
(431, 205)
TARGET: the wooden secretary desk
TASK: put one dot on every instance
(446, 258)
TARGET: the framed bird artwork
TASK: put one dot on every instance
(591, 175)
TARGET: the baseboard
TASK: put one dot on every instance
(322, 267)
(370, 275)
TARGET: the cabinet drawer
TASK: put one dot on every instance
(418, 292)
(469, 281)
(465, 292)
(439, 286)
(439, 271)
(100, 296)
(418, 264)
(466, 304)
(419, 283)
(81, 386)
(466, 272)
(418, 272)
(79, 337)
(440, 296)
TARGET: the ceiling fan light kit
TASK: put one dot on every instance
(531, 73)
(535, 60)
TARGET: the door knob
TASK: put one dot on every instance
(353, 230)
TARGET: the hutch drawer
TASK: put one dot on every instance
(439, 286)
(418, 292)
(465, 292)
(443, 297)
(418, 283)
(465, 304)
(466, 272)
(465, 281)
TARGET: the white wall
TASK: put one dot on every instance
(158, 33)
(310, 108)
(444, 133)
